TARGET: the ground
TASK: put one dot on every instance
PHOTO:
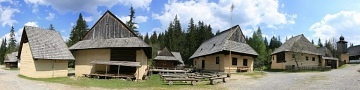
(347, 78)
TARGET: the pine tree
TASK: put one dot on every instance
(12, 41)
(51, 27)
(2, 51)
(154, 38)
(319, 43)
(78, 31)
(257, 43)
(131, 23)
(146, 38)
(312, 41)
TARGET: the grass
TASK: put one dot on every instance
(254, 75)
(343, 66)
(292, 71)
(155, 82)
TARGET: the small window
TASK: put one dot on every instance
(234, 61)
(307, 58)
(245, 61)
(195, 62)
(313, 59)
(273, 57)
(217, 60)
(164, 63)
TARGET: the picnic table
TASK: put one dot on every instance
(213, 80)
(171, 80)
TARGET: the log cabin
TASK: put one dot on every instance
(226, 52)
(168, 60)
(11, 60)
(111, 48)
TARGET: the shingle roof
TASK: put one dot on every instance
(166, 55)
(222, 42)
(324, 51)
(110, 32)
(45, 44)
(354, 50)
(11, 57)
(298, 44)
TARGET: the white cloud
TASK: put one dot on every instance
(89, 6)
(141, 19)
(247, 13)
(34, 24)
(50, 17)
(6, 15)
(344, 23)
(88, 19)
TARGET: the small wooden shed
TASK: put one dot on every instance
(43, 53)
(168, 60)
(11, 60)
(112, 49)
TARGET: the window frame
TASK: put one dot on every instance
(217, 60)
(234, 61)
(245, 62)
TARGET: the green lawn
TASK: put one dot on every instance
(343, 66)
(155, 82)
(255, 74)
(10, 68)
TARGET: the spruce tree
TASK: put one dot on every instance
(51, 27)
(2, 51)
(146, 38)
(131, 23)
(319, 43)
(78, 31)
(12, 41)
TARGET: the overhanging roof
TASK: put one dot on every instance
(120, 63)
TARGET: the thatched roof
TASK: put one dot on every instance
(298, 43)
(354, 50)
(165, 54)
(120, 63)
(222, 42)
(45, 44)
(11, 57)
(111, 32)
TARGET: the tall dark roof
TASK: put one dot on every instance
(165, 54)
(111, 32)
(298, 43)
(45, 44)
(324, 51)
(222, 42)
(11, 57)
(354, 50)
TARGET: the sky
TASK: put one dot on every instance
(325, 19)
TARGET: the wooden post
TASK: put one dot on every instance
(106, 71)
(118, 70)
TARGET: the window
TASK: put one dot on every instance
(273, 57)
(195, 62)
(164, 63)
(245, 61)
(307, 58)
(234, 61)
(313, 59)
(280, 57)
(217, 60)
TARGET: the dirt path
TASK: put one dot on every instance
(10, 81)
(338, 79)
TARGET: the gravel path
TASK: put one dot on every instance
(338, 79)
(10, 81)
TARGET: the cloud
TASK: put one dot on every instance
(7, 14)
(50, 17)
(89, 6)
(141, 19)
(34, 24)
(247, 13)
(88, 19)
(344, 23)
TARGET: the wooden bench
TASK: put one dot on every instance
(212, 80)
(171, 80)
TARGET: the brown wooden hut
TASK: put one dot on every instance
(214, 54)
(112, 49)
(43, 53)
(11, 60)
(168, 60)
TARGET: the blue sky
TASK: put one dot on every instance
(315, 19)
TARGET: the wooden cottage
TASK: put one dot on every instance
(327, 59)
(43, 53)
(296, 49)
(168, 60)
(214, 54)
(110, 48)
(354, 54)
(11, 60)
